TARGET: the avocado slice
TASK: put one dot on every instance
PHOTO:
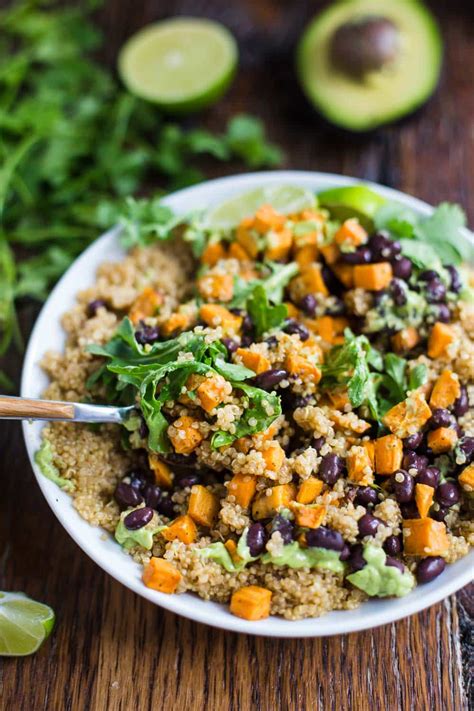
(365, 63)
(352, 201)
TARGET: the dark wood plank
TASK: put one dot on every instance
(112, 650)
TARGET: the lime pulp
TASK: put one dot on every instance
(24, 624)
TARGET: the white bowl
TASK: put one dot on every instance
(47, 334)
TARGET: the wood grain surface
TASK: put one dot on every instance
(112, 650)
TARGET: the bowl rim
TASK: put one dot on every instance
(370, 614)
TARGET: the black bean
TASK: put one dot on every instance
(127, 496)
(441, 418)
(435, 291)
(439, 514)
(403, 486)
(180, 461)
(293, 327)
(331, 468)
(165, 507)
(383, 247)
(366, 496)
(139, 479)
(379, 296)
(256, 539)
(398, 292)
(338, 308)
(247, 325)
(414, 461)
(270, 378)
(323, 537)
(345, 553)
(230, 345)
(456, 283)
(361, 255)
(409, 510)
(246, 341)
(308, 303)
(143, 430)
(443, 313)
(152, 495)
(429, 568)
(332, 282)
(428, 275)
(413, 441)
(147, 334)
(138, 518)
(356, 559)
(368, 525)
(394, 563)
(466, 446)
(447, 494)
(94, 306)
(461, 405)
(272, 341)
(284, 527)
(392, 545)
(188, 480)
(402, 268)
(430, 476)
(318, 442)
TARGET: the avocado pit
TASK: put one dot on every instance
(365, 44)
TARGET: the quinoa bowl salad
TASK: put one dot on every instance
(303, 374)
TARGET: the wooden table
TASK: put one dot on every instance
(111, 649)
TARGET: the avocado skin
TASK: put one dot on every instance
(344, 116)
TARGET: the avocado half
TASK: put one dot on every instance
(352, 91)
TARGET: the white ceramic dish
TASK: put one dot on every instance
(48, 335)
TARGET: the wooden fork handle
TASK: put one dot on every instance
(24, 408)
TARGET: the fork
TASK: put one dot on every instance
(20, 408)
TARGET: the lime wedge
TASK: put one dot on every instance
(287, 199)
(24, 624)
(181, 64)
(352, 201)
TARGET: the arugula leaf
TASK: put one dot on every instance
(273, 285)
(263, 314)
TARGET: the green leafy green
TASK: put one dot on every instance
(273, 284)
(263, 314)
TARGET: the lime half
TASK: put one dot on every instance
(352, 201)
(286, 199)
(24, 624)
(181, 64)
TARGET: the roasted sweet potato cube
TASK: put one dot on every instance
(247, 238)
(442, 439)
(251, 602)
(339, 398)
(232, 550)
(330, 252)
(359, 466)
(161, 575)
(267, 218)
(212, 392)
(215, 315)
(176, 322)
(373, 277)
(242, 487)
(216, 287)
(298, 365)
(405, 340)
(163, 475)
(388, 454)
(424, 537)
(351, 233)
(182, 528)
(292, 311)
(145, 305)
(203, 506)
(278, 244)
(267, 506)
(306, 255)
(312, 280)
(274, 456)
(185, 435)
(446, 390)
(424, 498)
(308, 490)
(253, 360)
(409, 416)
(441, 337)
(214, 252)
(308, 516)
(345, 274)
(369, 446)
(466, 478)
(236, 251)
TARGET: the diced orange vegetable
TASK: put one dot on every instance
(278, 244)
(267, 506)
(339, 398)
(409, 416)
(311, 348)
(306, 255)
(325, 326)
(345, 274)
(369, 447)
(243, 444)
(424, 537)
(297, 365)
(270, 432)
(163, 474)
(308, 490)
(246, 238)
(213, 253)
(441, 337)
(242, 487)
(373, 277)
(182, 528)
(351, 233)
(274, 456)
(330, 252)
(292, 311)
(312, 280)
(212, 392)
(232, 550)
(176, 322)
(466, 478)
(424, 498)
(146, 304)
(203, 506)
(253, 360)
(359, 466)
(184, 435)
(388, 454)
(442, 439)
(251, 602)
(217, 287)
(446, 390)
(214, 315)
(405, 340)
(161, 575)
(236, 251)
(308, 516)
(267, 218)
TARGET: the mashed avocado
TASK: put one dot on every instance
(380, 580)
(294, 556)
(219, 553)
(44, 459)
(141, 537)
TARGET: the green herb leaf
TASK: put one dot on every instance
(263, 314)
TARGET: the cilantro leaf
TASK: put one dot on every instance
(263, 314)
